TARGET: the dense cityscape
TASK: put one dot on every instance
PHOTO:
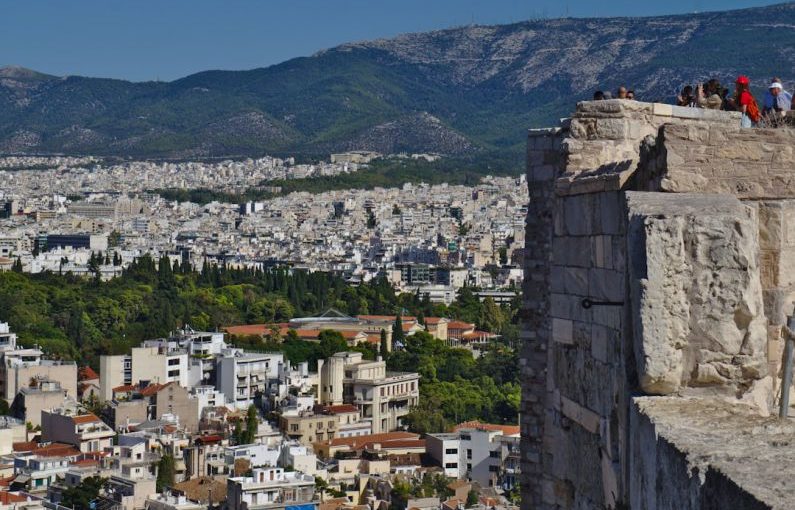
(396, 387)
(432, 238)
(397, 255)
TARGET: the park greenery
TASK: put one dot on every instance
(78, 318)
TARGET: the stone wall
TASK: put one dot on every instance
(637, 292)
(696, 295)
(746, 163)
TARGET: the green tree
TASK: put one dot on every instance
(472, 498)
(398, 337)
(384, 345)
(330, 343)
(114, 239)
(165, 473)
(237, 433)
(252, 422)
(491, 316)
(79, 497)
(399, 495)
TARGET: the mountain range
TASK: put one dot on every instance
(461, 91)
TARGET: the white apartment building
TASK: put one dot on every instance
(186, 357)
(258, 455)
(152, 362)
(241, 376)
(383, 398)
(19, 365)
(86, 432)
(483, 453)
(271, 488)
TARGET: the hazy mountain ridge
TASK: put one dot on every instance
(457, 91)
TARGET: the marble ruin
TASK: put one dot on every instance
(659, 274)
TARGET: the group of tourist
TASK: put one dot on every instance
(711, 95)
(621, 93)
(776, 103)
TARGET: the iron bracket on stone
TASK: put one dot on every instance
(588, 303)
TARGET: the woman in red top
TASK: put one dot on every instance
(745, 102)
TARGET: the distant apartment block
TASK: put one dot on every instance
(383, 398)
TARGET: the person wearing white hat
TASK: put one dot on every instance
(777, 99)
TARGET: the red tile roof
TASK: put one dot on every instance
(24, 446)
(250, 329)
(50, 450)
(124, 388)
(7, 498)
(85, 462)
(508, 430)
(85, 418)
(460, 325)
(397, 443)
(435, 320)
(152, 389)
(86, 373)
(214, 438)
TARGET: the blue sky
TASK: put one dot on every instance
(167, 39)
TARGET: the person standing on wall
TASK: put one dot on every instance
(746, 103)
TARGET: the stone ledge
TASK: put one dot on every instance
(616, 108)
(723, 448)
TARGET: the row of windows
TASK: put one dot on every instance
(397, 389)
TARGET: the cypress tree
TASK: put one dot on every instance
(398, 338)
(384, 345)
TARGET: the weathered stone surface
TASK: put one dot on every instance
(695, 453)
(746, 163)
(696, 292)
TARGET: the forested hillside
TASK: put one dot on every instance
(462, 91)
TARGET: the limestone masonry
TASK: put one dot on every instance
(659, 272)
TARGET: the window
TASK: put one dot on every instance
(469, 467)
(469, 454)
(494, 469)
(173, 373)
(451, 465)
(495, 454)
(466, 437)
(173, 361)
(294, 427)
(451, 451)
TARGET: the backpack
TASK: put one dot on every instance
(753, 111)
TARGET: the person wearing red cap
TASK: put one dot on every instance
(746, 103)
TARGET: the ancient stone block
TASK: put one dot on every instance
(562, 331)
(696, 293)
